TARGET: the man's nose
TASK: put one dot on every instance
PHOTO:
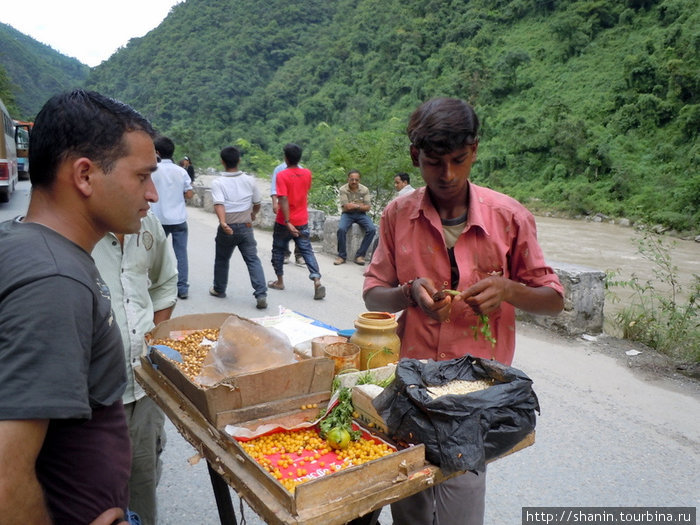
(151, 191)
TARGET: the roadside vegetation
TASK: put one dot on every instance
(661, 313)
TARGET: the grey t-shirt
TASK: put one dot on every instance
(62, 358)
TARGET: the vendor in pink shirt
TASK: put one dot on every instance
(453, 234)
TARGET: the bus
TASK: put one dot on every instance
(8, 156)
(22, 132)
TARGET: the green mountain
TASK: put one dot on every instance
(587, 106)
(35, 71)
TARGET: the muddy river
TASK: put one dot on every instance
(609, 247)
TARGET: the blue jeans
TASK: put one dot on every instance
(280, 245)
(179, 232)
(346, 221)
(244, 239)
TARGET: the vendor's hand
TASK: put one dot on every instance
(110, 517)
(227, 229)
(486, 295)
(423, 290)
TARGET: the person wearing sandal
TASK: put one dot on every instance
(292, 220)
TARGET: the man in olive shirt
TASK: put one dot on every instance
(355, 202)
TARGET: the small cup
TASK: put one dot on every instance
(319, 343)
(345, 356)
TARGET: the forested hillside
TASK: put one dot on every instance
(35, 71)
(588, 106)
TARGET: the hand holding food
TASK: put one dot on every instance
(423, 292)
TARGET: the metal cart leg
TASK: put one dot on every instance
(223, 498)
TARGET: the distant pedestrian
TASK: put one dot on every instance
(298, 259)
(402, 184)
(236, 200)
(355, 202)
(292, 221)
(174, 186)
(186, 164)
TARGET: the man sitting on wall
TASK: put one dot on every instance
(355, 202)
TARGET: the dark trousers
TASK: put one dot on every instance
(243, 239)
(280, 245)
(346, 221)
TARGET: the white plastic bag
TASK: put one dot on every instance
(244, 346)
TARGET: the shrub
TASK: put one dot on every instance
(662, 320)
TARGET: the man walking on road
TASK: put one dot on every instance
(292, 221)
(236, 200)
(174, 186)
(355, 202)
(298, 259)
(141, 272)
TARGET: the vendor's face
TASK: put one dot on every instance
(447, 176)
(399, 184)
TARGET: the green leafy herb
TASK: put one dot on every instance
(340, 416)
(483, 327)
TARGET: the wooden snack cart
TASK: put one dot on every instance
(353, 495)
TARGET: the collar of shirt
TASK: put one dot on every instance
(425, 206)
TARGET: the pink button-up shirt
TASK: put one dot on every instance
(500, 236)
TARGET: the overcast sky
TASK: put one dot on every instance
(89, 30)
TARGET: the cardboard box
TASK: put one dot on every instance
(294, 384)
(362, 396)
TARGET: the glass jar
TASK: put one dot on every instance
(375, 334)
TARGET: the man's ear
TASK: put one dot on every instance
(83, 174)
(415, 153)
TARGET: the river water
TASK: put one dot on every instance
(610, 247)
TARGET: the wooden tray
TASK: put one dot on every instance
(331, 500)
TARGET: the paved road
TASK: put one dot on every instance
(606, 435)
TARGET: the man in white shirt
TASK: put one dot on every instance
(402, 184)
(174, 186)
(236, 198)
(141, 274)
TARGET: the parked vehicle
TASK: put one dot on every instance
(8, 156)
(22, 132)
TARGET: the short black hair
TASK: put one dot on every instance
(77, 124)
(292, 154)
(404, 177)
(443, 125)
(165, 147)
(230, 156)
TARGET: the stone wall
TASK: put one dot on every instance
(354, 238)
(584, 300)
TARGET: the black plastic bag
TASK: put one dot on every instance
(460, 431)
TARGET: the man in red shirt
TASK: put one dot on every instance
(292, 221)
(455, 235)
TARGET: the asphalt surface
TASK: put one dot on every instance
(607, 435)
